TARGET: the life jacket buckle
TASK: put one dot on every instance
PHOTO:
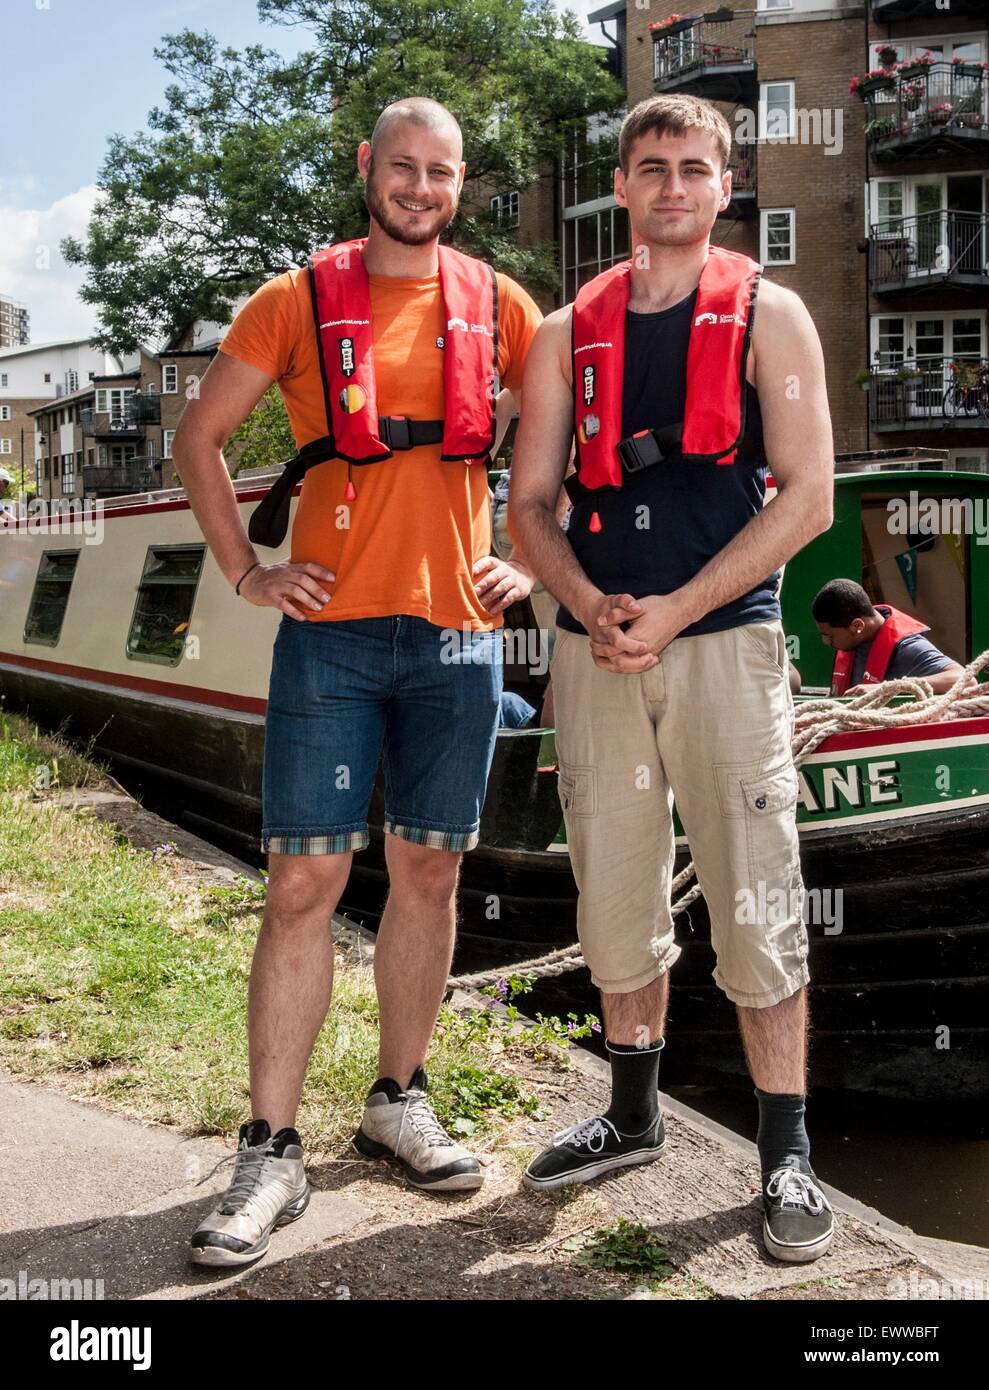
(640, 451)
(396, 431)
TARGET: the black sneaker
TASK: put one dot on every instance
(799, 1220)
(590, 1149)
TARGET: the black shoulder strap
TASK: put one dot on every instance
(269, 520)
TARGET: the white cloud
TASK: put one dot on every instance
(32, 268)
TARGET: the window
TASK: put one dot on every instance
(68, 472)
(505, 209)
(51, 596)
(3, 378)
(6, 446)
(166, 443)
(4, 412)
(39, 477)
(164, 603)
(589, 162)
(48, 378)
(71, 381)
(775, 110)
(969, 460)
(775, 4)
(170, 378)
(777, 236)
(591, 244)
(89, 458)
(112, 401)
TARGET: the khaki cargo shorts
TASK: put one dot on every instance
(710, 727)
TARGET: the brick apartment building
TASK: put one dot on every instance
(114, 435)
(874, 208)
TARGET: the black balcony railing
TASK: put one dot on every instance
(111, 425)
(936, 393)
(925, 109)
(138, 474)
(933, 248)
(713, 54)
(146, 410)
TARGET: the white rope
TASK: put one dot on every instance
(817, 721)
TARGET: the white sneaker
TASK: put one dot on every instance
(401, 1124)
(269, 1189)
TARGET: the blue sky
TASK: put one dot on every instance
(75, 72)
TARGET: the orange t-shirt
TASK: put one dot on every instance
(418, 525)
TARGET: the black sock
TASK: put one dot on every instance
(634, 1086)
(781, 1130)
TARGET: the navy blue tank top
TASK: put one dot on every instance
(665, 523)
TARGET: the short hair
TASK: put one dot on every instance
(840, 601)
(421, 111)
(673, 115)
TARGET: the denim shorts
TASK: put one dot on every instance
(344, 693)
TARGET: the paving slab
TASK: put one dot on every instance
(98, 1198)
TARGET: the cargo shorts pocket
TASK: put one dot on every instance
(769, 797)
(578, 789)
(768, 642)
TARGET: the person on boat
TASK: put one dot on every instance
(670, 662)
(389, 560)
(877, 643)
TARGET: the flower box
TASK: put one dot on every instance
(871, 82)
(914, 67)
(940, 114)
(966, 69)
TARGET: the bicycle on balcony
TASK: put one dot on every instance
(967, 394)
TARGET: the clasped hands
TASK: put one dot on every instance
(653, 622)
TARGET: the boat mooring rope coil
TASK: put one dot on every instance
(816, 721)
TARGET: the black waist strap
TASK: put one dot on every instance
(269, 520)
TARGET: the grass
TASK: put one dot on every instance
(133, 987)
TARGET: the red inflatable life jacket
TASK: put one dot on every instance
(714, 414)
(897, 626)
(341, 301)
(341, 293)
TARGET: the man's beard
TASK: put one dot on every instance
(379, 209)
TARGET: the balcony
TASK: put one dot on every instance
(103, 425)
(742, 166)
(146, 410)
(920, 111)
(942, 249)
(927, 399)
(896, 11)
(139, 474)
(711, 56)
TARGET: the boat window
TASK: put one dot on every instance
(50, 597)
(164, 603)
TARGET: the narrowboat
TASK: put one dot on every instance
(117, 626)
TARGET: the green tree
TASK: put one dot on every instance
(265, 438)
(250, 163)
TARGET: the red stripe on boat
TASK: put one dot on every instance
(914, 733)
(189, 694)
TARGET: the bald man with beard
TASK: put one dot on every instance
(387, 560)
